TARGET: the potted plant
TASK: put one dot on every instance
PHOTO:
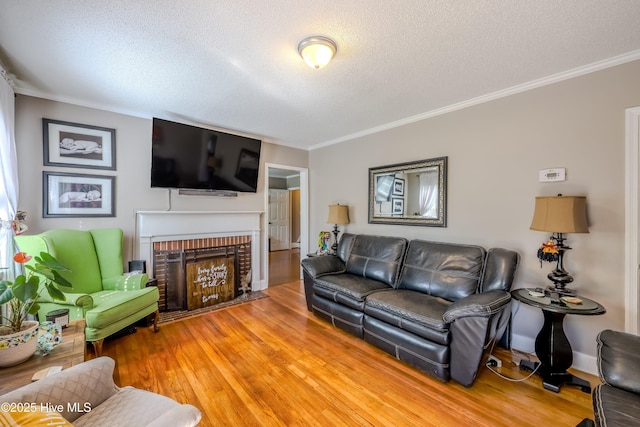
(19, 336)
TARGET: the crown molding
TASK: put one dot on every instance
(534, 84)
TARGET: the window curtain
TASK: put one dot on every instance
(8, 175)
(428, 197)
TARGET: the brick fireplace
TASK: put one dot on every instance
(199, 257)
(196, 273)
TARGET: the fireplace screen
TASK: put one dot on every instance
(210, 282)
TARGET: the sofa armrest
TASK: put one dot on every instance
(476, 322)
(126, 282)
(618, 356)
(483, 304)
(184, 415)
(72, 299)
(80, 387)
(323, 265)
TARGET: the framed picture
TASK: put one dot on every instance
(398, 187)
(78, 146)
(397, 206)
(77, 195)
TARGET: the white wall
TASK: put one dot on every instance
(133, 162)
(495, 151)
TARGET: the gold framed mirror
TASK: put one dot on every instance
(412, 193)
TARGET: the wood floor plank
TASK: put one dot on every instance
(272, 363)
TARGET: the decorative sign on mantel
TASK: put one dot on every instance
(210, 282)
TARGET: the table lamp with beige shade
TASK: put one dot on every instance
(560, 215)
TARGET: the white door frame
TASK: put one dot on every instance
(632, 210)
(304, 214)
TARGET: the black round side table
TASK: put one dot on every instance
(552, 346)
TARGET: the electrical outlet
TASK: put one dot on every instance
(494, 361)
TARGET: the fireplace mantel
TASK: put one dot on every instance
(160, 226)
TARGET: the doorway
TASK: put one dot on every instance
(286, 222)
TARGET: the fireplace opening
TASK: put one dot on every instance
(191, 277)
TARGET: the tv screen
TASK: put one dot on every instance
(191, 157)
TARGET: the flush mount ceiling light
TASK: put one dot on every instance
(317, 51)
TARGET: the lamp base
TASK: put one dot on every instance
(559, 276)
(334, 247)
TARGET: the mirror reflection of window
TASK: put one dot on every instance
(428, 193)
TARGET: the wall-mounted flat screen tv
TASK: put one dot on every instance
(191, 157)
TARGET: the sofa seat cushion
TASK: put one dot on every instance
(411, 311)
(111, 306)
(347, 289)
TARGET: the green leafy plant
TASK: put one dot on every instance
(21, 295)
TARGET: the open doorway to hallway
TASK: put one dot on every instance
(287, 219)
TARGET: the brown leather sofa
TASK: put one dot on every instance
(436, 306)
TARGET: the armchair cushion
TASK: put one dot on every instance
(89, 397)
(134, 407)
(108, 305)
(615, 406)
(618, 359)
(616, 400)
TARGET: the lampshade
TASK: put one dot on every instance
(560, 214)
(338, 214)
(317, 51)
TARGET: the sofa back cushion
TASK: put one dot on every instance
(377, 257)
(345, 246)
(499, 270)
(443, 270)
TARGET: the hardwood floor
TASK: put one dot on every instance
(272, 363)
(284, 266)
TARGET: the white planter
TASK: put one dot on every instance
(19, 346)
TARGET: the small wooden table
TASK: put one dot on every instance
(552, 345)
(71, 351)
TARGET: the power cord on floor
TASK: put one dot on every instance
(492, 362)
(514, 380)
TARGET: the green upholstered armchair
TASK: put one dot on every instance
(107, 299)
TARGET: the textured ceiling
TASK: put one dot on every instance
(234, 64)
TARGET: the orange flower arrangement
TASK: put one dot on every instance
(548, 252)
